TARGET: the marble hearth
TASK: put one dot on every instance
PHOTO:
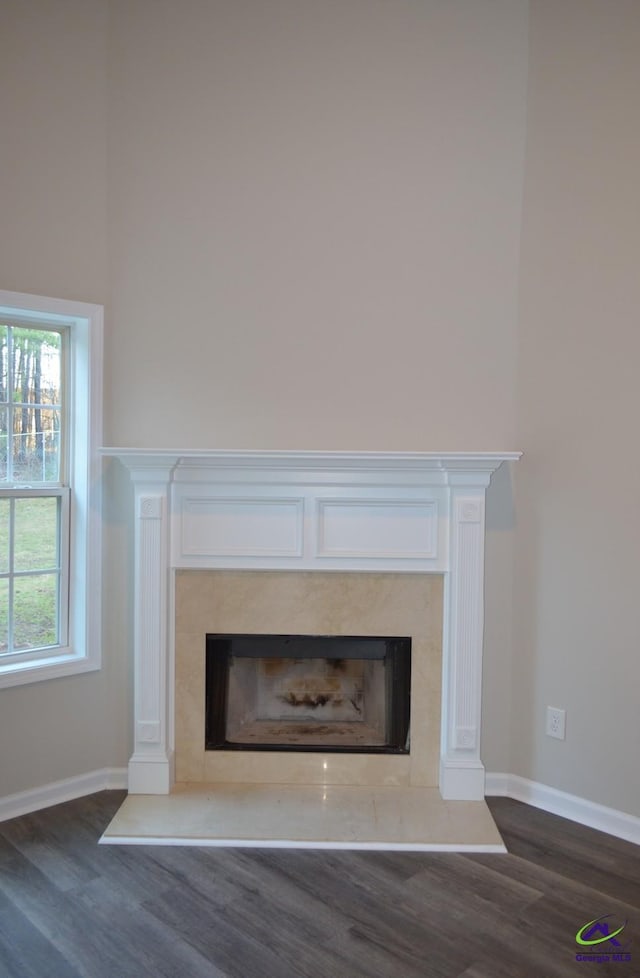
(309, 543)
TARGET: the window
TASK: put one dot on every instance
(50, 428)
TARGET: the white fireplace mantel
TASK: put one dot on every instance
(417, 512)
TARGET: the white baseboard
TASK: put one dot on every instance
(33, 799)
(561, 803)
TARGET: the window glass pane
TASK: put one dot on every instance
(4, 615)
(35, 368)
(4, 426)
(4, 361)
(50, 367)
(35, 534)
(36, 451)
(4, 535)
(35, 600)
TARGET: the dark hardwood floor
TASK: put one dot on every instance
(72, 909)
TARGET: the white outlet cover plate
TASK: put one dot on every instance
(556, 722)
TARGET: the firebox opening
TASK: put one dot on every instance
(308, 693)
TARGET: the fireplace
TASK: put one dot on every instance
(308, 693)
(219, 534)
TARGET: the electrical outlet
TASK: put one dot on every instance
(556, 721)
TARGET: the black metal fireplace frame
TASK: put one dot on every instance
(396, 652)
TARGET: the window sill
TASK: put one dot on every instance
(51, 667)
(65, 663)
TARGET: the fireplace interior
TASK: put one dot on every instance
(308, 693)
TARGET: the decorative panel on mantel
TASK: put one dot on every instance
(239, 526)
(320, 528)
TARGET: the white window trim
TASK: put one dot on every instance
(85, 321)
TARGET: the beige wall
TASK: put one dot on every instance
(314, 221)
(312, 239)
(53, 242)
(53, 176)
(578, 537)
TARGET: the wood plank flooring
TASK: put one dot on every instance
(72, 909)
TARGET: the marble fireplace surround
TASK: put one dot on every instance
(313, 603)
(356, 513)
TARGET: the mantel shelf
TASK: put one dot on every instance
(414, 467)
(312, 459)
